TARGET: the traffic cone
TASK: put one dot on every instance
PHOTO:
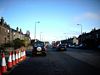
(13, 59)
(24, 54)
(19, 56)
(3, 64)
(10, 65)
(16, 57)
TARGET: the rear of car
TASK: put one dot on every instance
(38, 49)
(62, 47)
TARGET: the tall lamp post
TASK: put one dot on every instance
(81, 27)
(81, 33)
(35, 29)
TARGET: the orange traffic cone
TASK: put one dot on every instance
(16, 57)
(24, 54)
(3, 64)
(19, 56)
(13, 59)
(10, 61)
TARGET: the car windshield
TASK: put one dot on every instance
(38, 44)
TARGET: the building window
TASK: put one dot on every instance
(14, 34)
(8, 31)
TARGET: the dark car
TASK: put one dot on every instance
(39, 48)
(62, 47)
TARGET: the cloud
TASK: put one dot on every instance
(87, 16)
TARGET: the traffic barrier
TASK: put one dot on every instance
(16, 57)
(24, 54)
(3, 64)
(13, 59)
(19, 56)
(10, 64)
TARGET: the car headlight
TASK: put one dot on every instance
(39, 48)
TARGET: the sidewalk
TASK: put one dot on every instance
(90, 58)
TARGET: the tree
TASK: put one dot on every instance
(18, 43)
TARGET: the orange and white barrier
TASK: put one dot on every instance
(16, 58)
(13, 59)
(10, 65)
(3, 64)
(19, 56)
(24, 54)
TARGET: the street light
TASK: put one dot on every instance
(35, 29)
(81, 27)
(81, 33)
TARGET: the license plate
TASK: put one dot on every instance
(38, 52)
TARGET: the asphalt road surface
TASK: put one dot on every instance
(55, 63)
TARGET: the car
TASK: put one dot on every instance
(62, 47)
(38, 48)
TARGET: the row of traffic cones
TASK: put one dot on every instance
(14, 58)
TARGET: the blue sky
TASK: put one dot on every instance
(58, 18)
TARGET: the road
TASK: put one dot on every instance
(55, 63)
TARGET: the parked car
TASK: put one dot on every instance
(62, 47)
(38, 49)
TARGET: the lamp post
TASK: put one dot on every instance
(81, 27)
(35, 29)
(81, 33)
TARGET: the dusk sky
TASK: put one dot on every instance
(58, 18)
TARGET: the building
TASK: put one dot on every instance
(71, 41)
(17, 34)
(91, 39)
(75, 41)
(4, 32)
(7, 34)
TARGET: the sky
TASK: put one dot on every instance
(58, 18)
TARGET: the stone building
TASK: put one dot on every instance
(4, 32)
(7, 34)
(91, 39)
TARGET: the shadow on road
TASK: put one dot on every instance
(29, 53)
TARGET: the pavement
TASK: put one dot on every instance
(91, 57)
